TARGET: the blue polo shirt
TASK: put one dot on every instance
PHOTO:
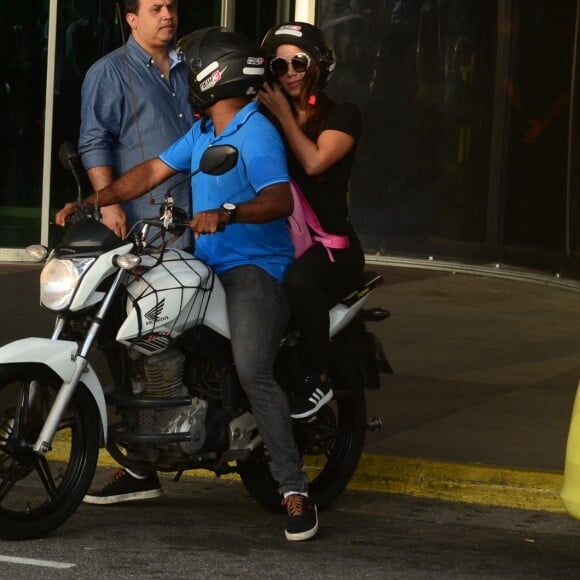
(261, 163)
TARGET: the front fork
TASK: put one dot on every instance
(66, 391)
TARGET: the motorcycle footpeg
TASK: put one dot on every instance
(234, 455)
(375, 424)
(375, 314)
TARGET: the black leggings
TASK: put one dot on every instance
(314, 284)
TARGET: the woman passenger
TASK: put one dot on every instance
(321, 139)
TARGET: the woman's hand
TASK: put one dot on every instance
(64, 214)
(275, 101)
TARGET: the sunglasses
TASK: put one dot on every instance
(300, 63)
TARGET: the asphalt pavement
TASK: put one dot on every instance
(485, 376)
(212, 530)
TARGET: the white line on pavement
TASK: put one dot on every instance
(41, 563)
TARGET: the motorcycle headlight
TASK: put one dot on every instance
(59, 279)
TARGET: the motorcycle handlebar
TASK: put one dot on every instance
(174, 225)
(160, 224)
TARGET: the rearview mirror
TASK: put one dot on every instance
(68, 157)
(67, 154)
(218, 160)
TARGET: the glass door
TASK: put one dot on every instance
(469, 150)
(24, 27)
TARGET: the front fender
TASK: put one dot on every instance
(59, 356)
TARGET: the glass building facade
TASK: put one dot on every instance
(470, 149)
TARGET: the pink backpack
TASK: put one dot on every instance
(305, 229)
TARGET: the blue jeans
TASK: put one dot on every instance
(258, 315)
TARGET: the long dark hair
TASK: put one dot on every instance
(315, 103)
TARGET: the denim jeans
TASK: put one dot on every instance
(258, 315)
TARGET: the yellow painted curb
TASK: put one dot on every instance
(469, 483)
(459, 482)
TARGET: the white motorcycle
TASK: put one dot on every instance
(159, 316)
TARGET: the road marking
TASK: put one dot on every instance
(41, 563)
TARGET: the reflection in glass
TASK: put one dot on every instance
(463, 156)
(23, 34)
(538, 93)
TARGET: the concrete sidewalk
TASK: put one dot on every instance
(486, 372)
(479, 405)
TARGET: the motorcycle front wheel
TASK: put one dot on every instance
(331, 446)
(38, 492)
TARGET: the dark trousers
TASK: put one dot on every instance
(314, 284)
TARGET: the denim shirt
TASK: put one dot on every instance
(130, 113)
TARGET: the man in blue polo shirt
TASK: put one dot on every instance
(252, 254)
(232, 198)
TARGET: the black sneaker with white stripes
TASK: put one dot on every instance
(309, 397)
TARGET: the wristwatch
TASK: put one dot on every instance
(232, 210)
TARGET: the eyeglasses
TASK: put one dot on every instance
(300, 63)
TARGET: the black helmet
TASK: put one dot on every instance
(222, 64)
(308, 37)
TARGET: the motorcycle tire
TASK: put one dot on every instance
(331, 447)
(38, 493)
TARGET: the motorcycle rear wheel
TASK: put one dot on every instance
(39, 493)
(331, 447)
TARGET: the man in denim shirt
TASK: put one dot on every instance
(134, 104)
